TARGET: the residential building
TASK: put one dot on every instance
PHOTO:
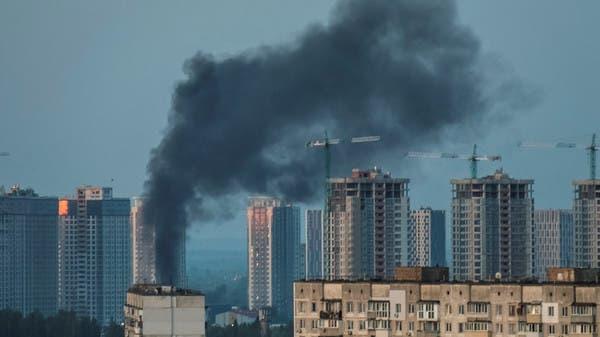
(236, 316)
(586, 223)
(366, 228)
(492, 223)
(94, 254)
(428, 237)
(143, 243)
(301, 262)
(436, 307)
(314, 243)
(273, 255)
(28, 252)
(553, 229)
(164, 311)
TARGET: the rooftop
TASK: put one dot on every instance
(162, 290)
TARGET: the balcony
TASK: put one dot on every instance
(331, 315)
(478, 334)
(427, 334)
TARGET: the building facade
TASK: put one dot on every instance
(366, 230)
(447, 309)
(94, 254)
(164, 311)
(273, 255)
(28, 252)
(586, 223)
(314, 243)
(428, 237)
(143, 243)
(553, 237)
(492, 224)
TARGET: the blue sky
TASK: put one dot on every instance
(85, 88)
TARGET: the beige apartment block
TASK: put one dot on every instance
(464, 309)
(164, 311)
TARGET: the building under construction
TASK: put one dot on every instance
(492, 223)
(586, 223)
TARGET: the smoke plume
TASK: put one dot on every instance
(402, 69)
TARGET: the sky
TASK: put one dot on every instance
(85, 90)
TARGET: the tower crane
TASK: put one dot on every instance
(591, 148)
(325, 144)
(472, 158)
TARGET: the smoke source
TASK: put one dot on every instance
(402, 69)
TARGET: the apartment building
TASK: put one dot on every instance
(492, 227)
(553, 239)
(94, 254)
(366, 230)
(28, 251)
(143, 245)
(314, 243)
(164, 311)
(586, 223)
(430, 307)
(428, 237)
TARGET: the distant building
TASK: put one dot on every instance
(236, 316)
(366, 230)
(492, 222)
(314, 243)
(301, 264)
(164, 311)
(143, 243)
(94, 254)
(586, 223)
(437, 307)
(553, 239)
(428, 237)
(273, 254)
(28, 252)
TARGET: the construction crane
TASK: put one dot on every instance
(325, 144)
(473, 158)
(591, 148)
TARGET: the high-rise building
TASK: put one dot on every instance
(143, 245)
(301, 263)
(314, 243)
(273, 254)
(366, 230)
(586, 223)
(428, 228)
(94, 254)
(553, 235)
(28, 252)
(492, 223)
(164, 311)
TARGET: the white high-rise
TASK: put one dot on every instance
(94, 254)
(428, 238)
(143, 245)
(553, 235)
(366, 229)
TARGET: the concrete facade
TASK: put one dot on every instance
(94, 254)
(314, 243)
(428, 228)
(28, 252)
(366, 233)
(553, 235)
(236, 316)
(397, 308)
(586, 223)
(492, 223)
(164, 311)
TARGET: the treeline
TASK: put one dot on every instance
(249, 330)
(63, 324)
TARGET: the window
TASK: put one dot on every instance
(350, 325)
(499, 309)
(461, 309)
(565, 311)
(313, 324)
(361, 307)
(361, 325)
(551, 311)
(314, 307)
(398, 307)
(301, 307)
(411, 326)
(399, 326)
(565, 329)
(448, 327)
(551, 329)
(511, 328)
(461, 327)
(448, 309)
(349, 307)
(411, 308)
(511, 310)
(478, 308)
(301, 324)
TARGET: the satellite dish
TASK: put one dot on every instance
(498, 276)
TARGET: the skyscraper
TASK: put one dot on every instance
(492, 223)
(586, 223)
(28, 252)
(553, 235)
(273, 254)
(143, 245)
(365, 234)
(428, 228)
(94, 254)
(314, 243)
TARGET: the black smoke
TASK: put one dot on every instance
(403, 69)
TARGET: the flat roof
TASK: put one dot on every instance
(162, 290)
